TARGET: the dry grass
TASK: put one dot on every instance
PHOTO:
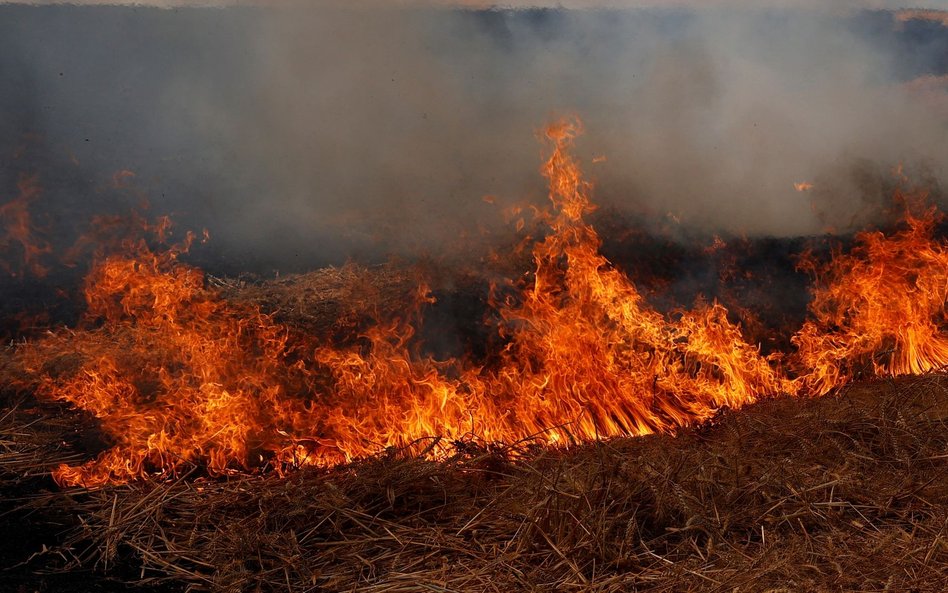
(846, 493)
(32, 442)
(329, 301)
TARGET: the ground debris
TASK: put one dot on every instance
(848, 492)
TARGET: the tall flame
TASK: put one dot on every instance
(179, 377)
(881, 307)
(587, 354)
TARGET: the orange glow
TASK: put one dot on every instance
(803, 186)
(936, 16)
(174, 374)
(180, 378)
(17, 233)
(717, 244)
(879, 309)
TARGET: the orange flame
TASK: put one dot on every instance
(17, 229)
(589, 356)
(882, 305)
(173, 373)
(179, 377)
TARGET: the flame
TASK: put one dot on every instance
(881, 307)
(589, 356)
(18, 230)
(717, 244)
(803, 186)
(180, 378)
(173, 373)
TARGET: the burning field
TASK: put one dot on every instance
(242, 449)
(595, 402)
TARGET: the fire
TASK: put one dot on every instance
(881, 307)
(19, 233)
(803, 186)
(179, 377)
(589, 356)
(174, 373)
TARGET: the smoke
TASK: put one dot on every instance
(933, 5)
(305, 135)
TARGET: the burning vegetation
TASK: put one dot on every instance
(298, 434)
(180, 377)
(722, 370)
(18, 235)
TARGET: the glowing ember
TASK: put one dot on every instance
(180, 377)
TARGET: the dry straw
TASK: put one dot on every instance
(845, 493)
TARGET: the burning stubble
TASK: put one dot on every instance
(324, 133)
(178, 375)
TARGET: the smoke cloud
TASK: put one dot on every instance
(302, 136)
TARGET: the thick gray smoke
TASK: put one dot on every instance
(308, 135)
